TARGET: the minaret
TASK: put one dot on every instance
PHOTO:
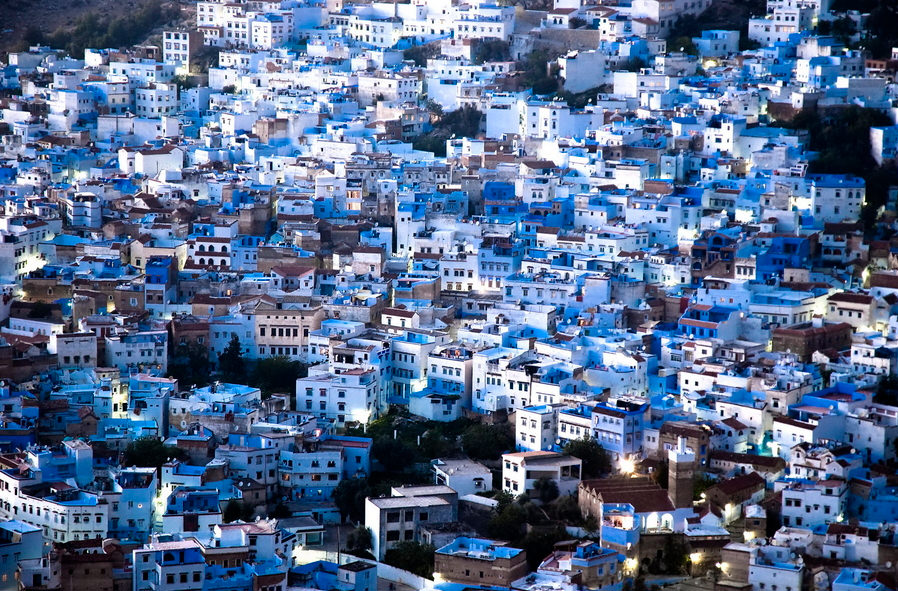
(681, 468)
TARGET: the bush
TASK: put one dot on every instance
(359, 540)
(535, 72)
(421, 53)
(150, 452)
(546, 490)
(393, 454)
(277, 375)
(491, 50)
(235, 510)
(464, 122)
(487, 442)
(508, 523)
(594, 457)
(415, 557)
(102, 30)
(350, 495)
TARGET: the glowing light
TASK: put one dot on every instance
(627, 466)
(630, 564)
(695, 557)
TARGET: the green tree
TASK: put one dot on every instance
(700, 484)
(421, 53)
(435, 444)
(189, 364)
(235, 510)
(434, 107)
(683, 44)
(349, 497)
(33, 36)
(503, 499)
(204, 58)
(565, 508)
(676, 559)
(881, 25)
(579, 100)
(546, 490)
(151, 452)
(491, 50)
(184, 82)
(508, 523)
(105, 30)
(539, 544)
(281, 511)
(487, 442)
(415, 557)
(464, 122)
(535, 72)
(634, 64)
(841, 140)
(277, 375)
(393, 454)
(40, 310)
(232, 511)
(360, 541)
(596, 461)
(887, 391)
(231, 364)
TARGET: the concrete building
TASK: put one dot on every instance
(480, 562)
(401, 516)
(521, 470)
(466, 477)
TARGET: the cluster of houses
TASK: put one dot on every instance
(656, 269)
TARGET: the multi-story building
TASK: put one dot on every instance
(310, 474)
(168, 566)
(137, 351)
(480, 562)
(521, 471)
(813, 503)
(180, 47)
(403, 515)
(350, 396)
(465, 477)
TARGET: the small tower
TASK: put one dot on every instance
(681, 464)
